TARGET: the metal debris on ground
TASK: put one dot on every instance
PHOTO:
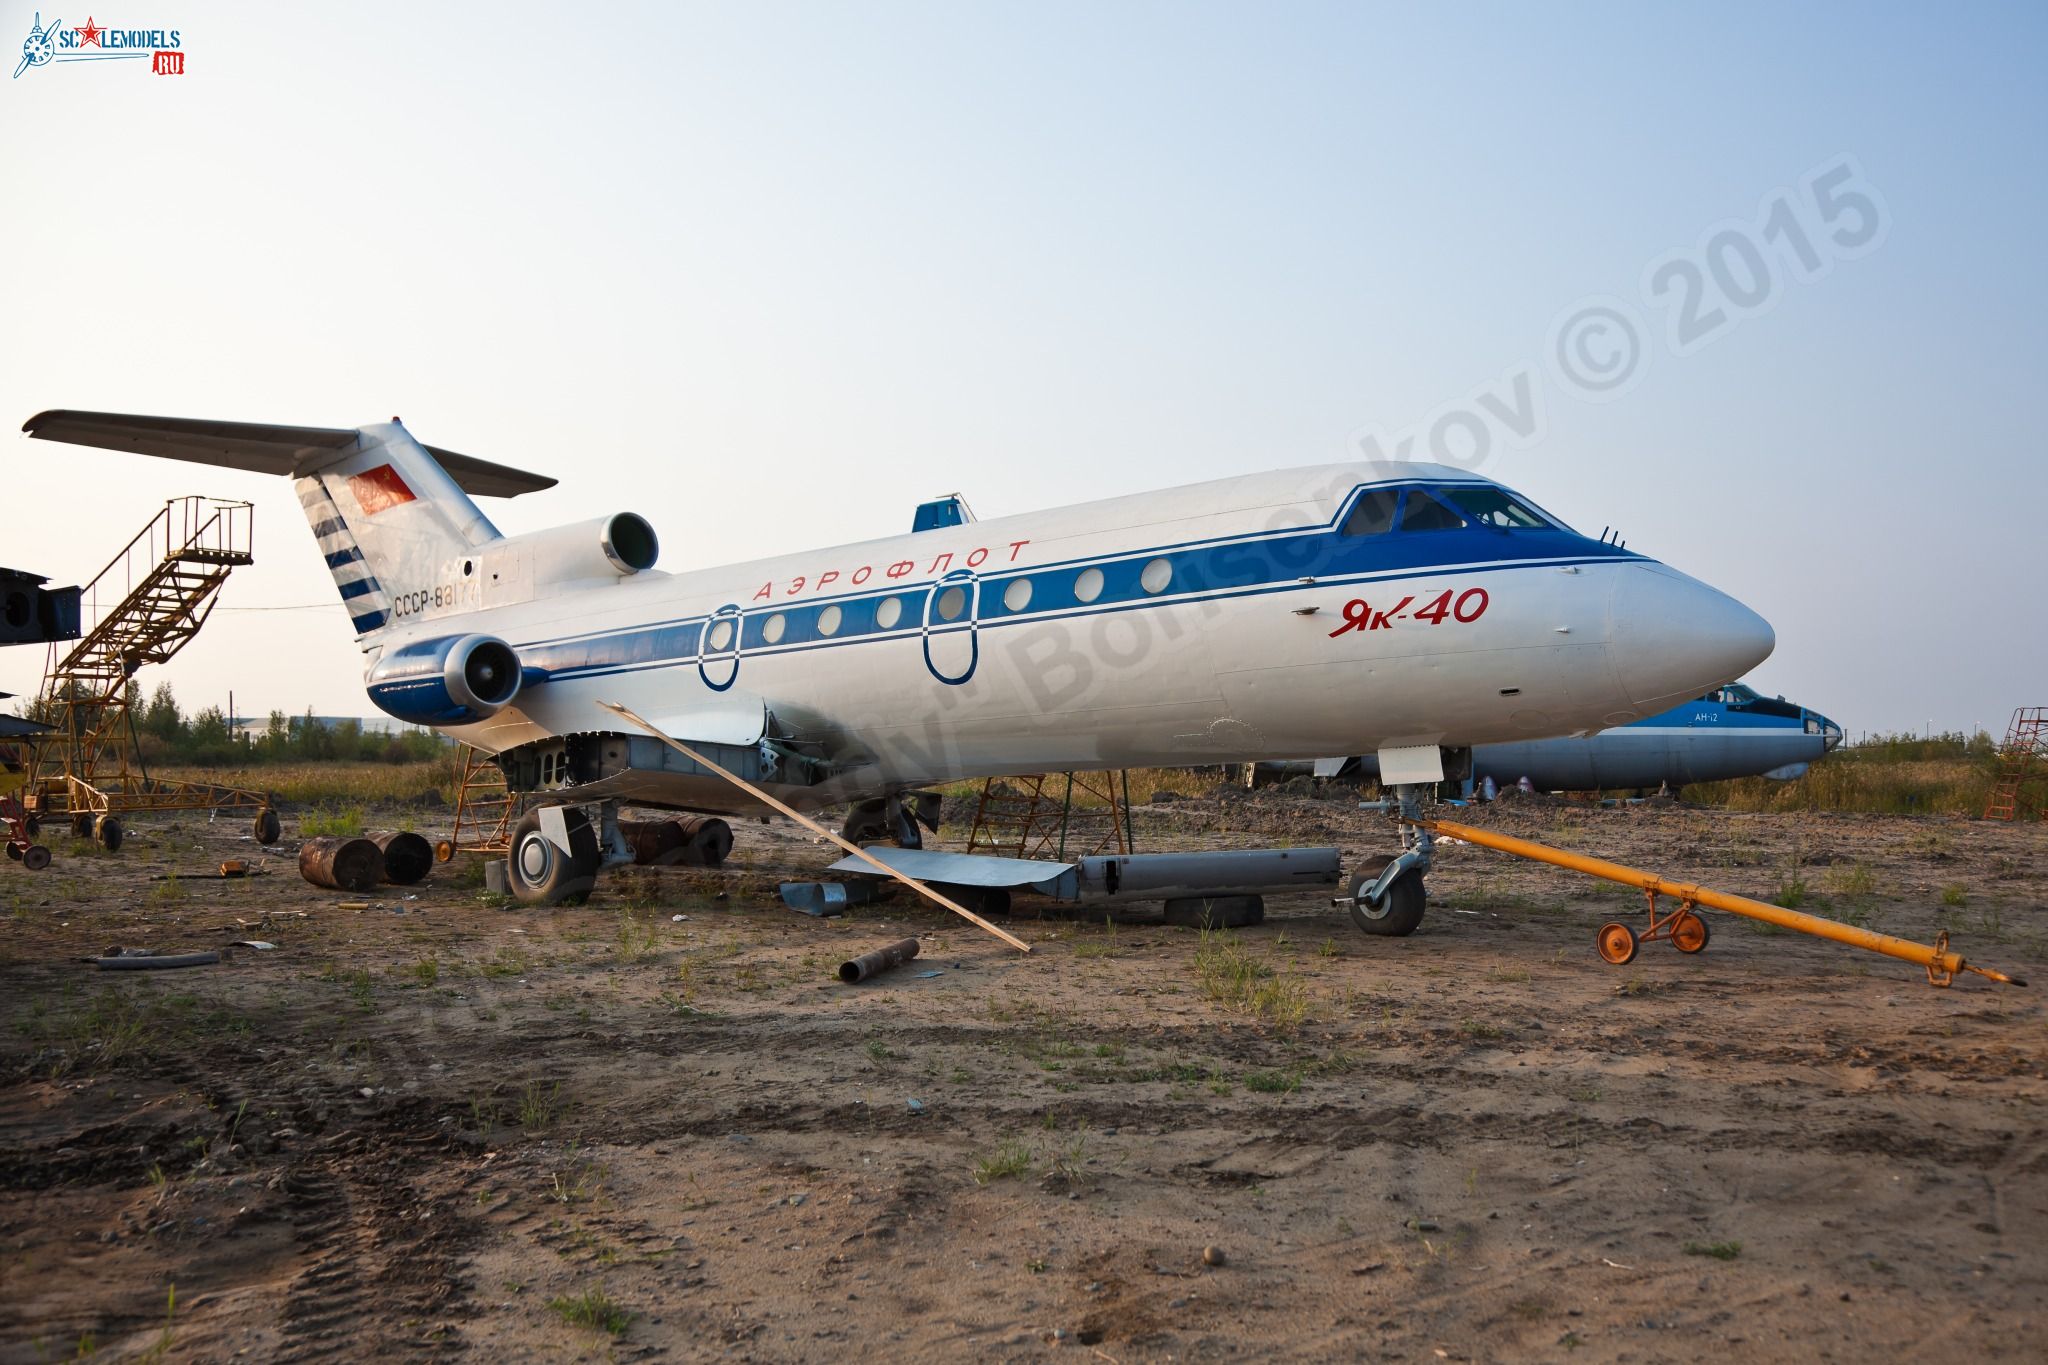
(119, 959)
(880, 960)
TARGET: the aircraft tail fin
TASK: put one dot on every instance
(393, 517)
(390, 521)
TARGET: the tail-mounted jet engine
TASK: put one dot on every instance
(446, 681)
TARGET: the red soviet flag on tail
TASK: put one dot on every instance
(378, 489)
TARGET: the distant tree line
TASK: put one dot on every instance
(165, 734)
(1907, 747)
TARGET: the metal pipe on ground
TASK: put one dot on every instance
(340, 863)
(136, 960)
(407, 856)
(879, 961)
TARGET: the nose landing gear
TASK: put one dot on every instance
(1386, 895)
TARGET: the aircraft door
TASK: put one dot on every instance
(718, 648)
(952, 645)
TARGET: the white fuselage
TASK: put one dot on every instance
(1222, 622)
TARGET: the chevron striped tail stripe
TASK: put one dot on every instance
(361, 593)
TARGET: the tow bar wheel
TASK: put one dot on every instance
(1690, 934)
(1618, 943)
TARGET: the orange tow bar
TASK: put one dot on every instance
(1689, 933)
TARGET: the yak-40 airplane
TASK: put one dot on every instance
(1408, 611)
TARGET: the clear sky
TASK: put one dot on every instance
(772, 273)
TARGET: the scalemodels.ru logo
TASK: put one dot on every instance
(91, 42)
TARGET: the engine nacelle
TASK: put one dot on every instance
(617, 546)
(447, 681)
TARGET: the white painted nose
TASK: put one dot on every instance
(1672, 637)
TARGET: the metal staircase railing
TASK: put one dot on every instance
(2022, 759)
(485, 808)
(142, 608)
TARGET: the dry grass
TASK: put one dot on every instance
(337, 783)
(1236, 978)
(1183, 782)
(1932, 786)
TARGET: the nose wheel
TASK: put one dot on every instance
(1398, 912)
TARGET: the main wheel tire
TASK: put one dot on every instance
(14, 850)
(540, 873)
(36, 858)
(107, 829)
(1399, 911)
(81, 824)
(1691, 935)
(1617, 943)
(268, 829)
(33, 825)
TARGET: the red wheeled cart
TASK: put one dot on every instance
(22, 829)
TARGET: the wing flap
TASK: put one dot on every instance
(258, 447)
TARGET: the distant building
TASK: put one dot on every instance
(255, 728)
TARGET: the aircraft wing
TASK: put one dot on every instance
(258, 447)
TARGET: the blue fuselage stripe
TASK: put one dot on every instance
(1208, 573)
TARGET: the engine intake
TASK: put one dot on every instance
(446, 681)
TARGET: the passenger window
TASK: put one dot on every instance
(828, 620)
(952, 602)
(1088, 585)
(1373, 513)
(1496, 508)
(1017, 596)
(889, 613)
(1425, 513)
(772, 629)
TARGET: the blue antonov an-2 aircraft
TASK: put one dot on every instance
(1727, 732)
(1402, 610)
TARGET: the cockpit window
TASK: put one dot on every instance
(1498, 508)
(1373, 513)
(1426, 513)
(1742, 698)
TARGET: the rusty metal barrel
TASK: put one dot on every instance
(407, 856)
(879, 961)
(655, 843)
(344, 864)
(708, 837)
(686, 841)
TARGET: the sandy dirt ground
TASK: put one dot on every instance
(440, 1127)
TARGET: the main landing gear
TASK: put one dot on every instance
(1385, 896)
(557, 853)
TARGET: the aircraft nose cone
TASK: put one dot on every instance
(1673, 637)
